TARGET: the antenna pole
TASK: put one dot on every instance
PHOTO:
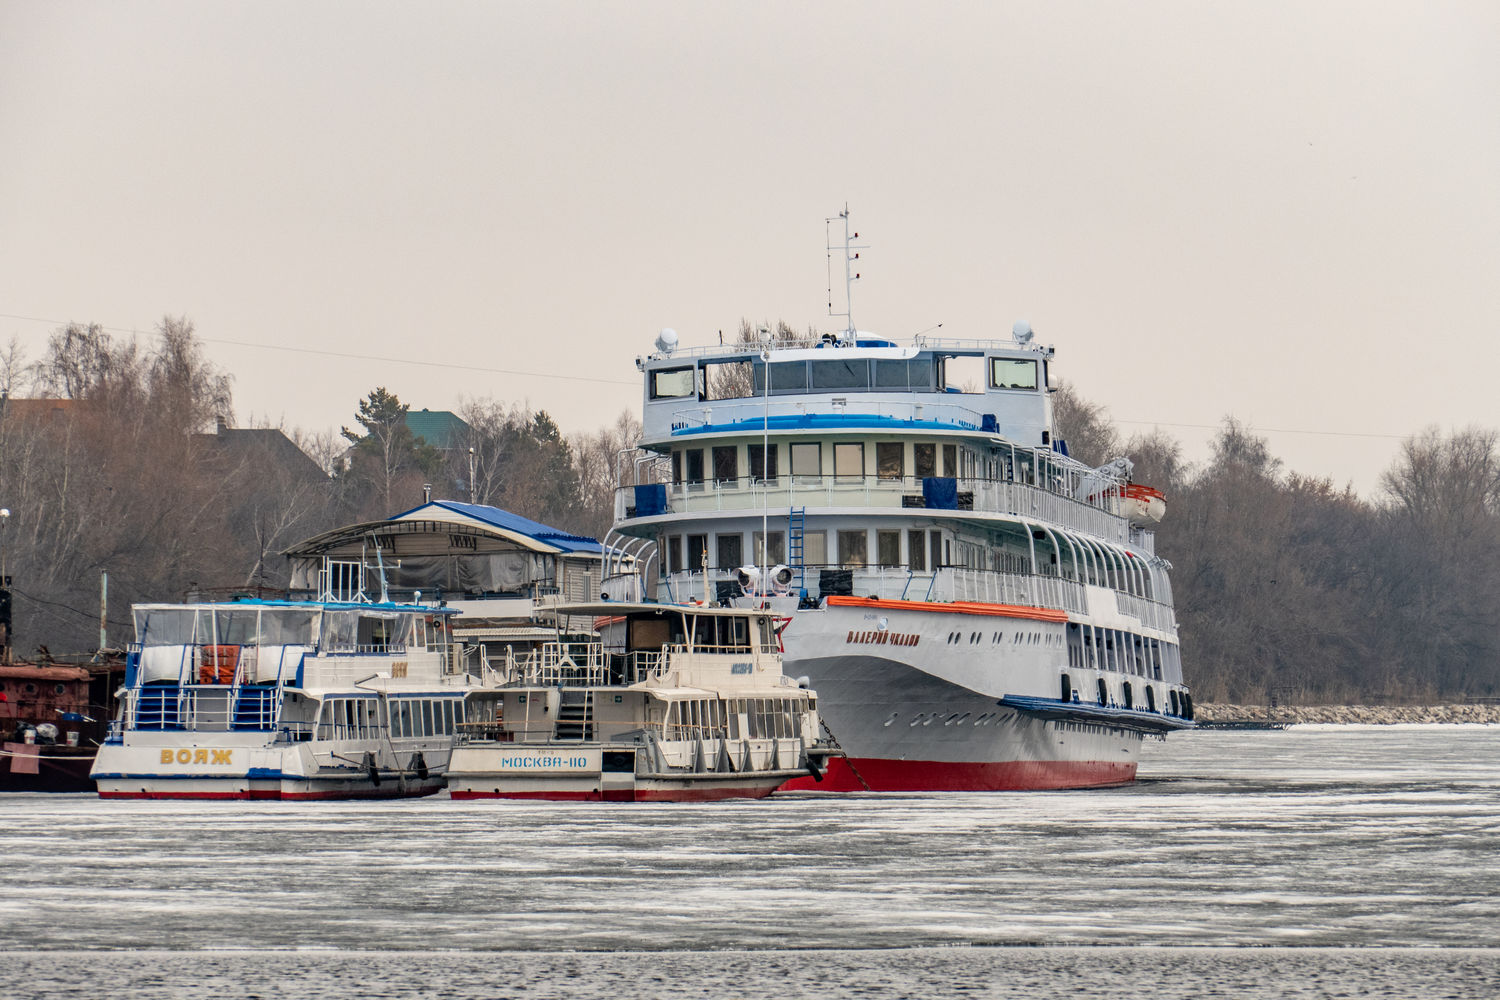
(851, 254)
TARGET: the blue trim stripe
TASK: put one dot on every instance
(816, 421)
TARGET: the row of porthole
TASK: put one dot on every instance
(30, 688)
(954, 719)
(1029, 638)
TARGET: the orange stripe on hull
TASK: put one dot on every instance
(960, 607)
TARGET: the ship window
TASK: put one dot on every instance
(727, 380)
(950, 460)
(963, 373)
(694, 465)
(892, 374)
(676, 466)
(854, 548)
(776, 555)
(674, 553)
(916, 547)
(1009, 373)
(762, 462)
(889, 462)
(1103, 692)
(842, 373)
(726, 465)
(786, 376)
(849, 460)
(730, 550)
(888, 547)
(814, 548)
(806, 458)
(697, 548)
(924, 458)
(935, 550)
(671, 383)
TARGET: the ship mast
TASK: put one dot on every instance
(851, 254)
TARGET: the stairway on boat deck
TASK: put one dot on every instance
(575, 716)
(255, 707)
(158, 707)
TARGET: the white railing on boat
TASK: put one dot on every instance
(951, 583)
(981, 496)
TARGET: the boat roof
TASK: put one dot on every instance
(442, 516)
(255, 602)
(608, 609)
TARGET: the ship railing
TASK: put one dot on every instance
(900, 583)
(554, 664)
(853, 403)
(985, 496)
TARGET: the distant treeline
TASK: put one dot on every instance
(1288, 587)
(119, 457)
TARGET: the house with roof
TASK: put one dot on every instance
(442, 429)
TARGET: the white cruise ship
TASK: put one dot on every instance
(976, 610)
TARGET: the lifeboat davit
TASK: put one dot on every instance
(1143, 505)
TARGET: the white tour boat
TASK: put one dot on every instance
(658, 703)
(256, 699)
(976, 609)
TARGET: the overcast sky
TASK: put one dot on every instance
(1284, 212)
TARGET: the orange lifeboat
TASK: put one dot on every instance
(1143, 504)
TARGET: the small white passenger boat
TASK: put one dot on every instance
(660, 703)
(257, 699)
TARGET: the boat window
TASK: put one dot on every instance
(671, 383)
(950, 460)
(730, 550)
(767, 634)
(674, 553)
(762, 462)
(892, 374)
(924, 459)
(164, 626)
(963, 373)
(676, 466)
(786, 377)
(237, 627)
(727, 379)
(286, 627)
(806, 458)
(697, 548)
(726, 465)
(739, 633)
(935, 550)
(888, 548)
(814, 548)
(841, 373)
(1103, 692)
(854, 548)
(889, 457)
(916, 548)
(777, 553)
(849, 460)
(694, 459)
(1010, 373)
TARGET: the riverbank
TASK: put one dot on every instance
(1377, 715)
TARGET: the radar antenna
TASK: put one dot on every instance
(851, 255)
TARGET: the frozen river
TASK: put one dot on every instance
(1321, 860)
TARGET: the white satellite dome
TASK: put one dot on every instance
(1021, 333)
(666, 341)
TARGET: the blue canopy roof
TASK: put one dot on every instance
(512, 522)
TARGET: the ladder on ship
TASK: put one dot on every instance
(575, 715)
(796, 528)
